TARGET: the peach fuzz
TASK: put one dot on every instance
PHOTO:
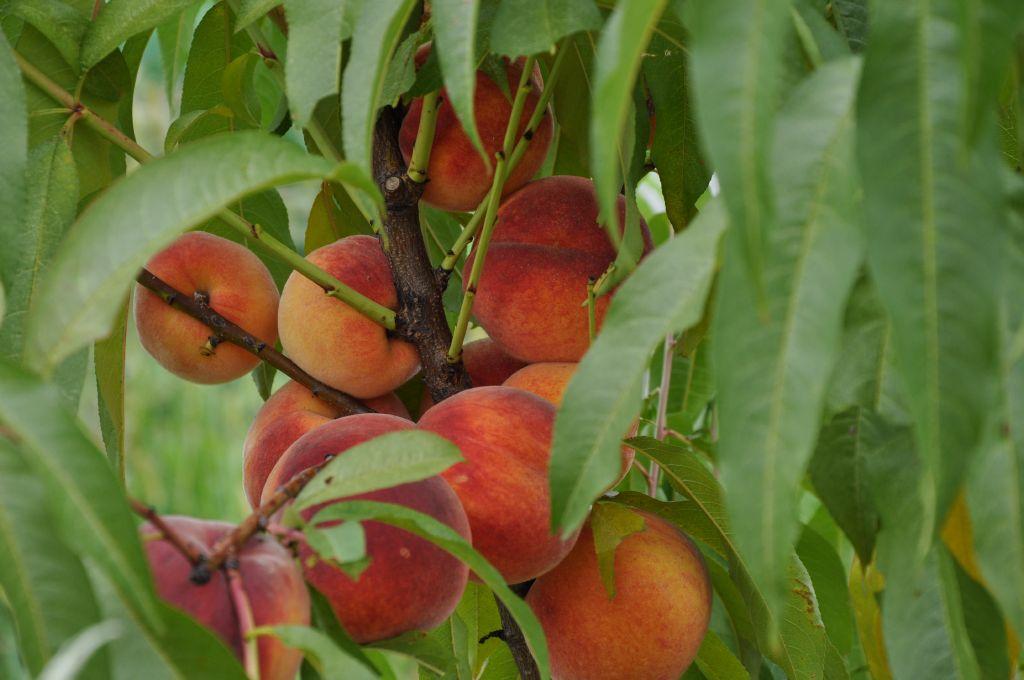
(504, 435)
(549, 380)
(333, 342)
(486, 364)
(652, 627)
(291, 412)
(239, 287)
(410, 584)
(458, 180)
(546, 246)
(269, 577)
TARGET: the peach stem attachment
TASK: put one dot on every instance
(420, 159)
(459, 334)
(469, 231)
(372, 310)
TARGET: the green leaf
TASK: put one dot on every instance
(238, 91)
(986, 629)
(119, 20)
(676, 150)
(50, 206)
(449, 540)
(455, 33)
(333, 216)
(268, 210)
(665, 293)
(851, 18)
(13, 161)
(736, 68)
(523, 27)
(263, 377)
(343, 544)
(687, 514)
(377, 33)
(331, 661)
(44, 581)
(214, 46)
(314, 53)
(389, 460)
(140, 215)
(934, 228)
(717, 662)
(571, 101)
(63, 25)
(616, 66)
(109, 358)
(175, 36)
(828, 575)
(611, 524)
(72, 658)
(770, 403)
(839, 472)
(251, 10)
(89, 505)
(995, 488)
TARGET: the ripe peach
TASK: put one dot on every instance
(457, 176)
(504, 435)
(548, 380)
(486, 365)
(238, 286)
(652, 627)
(410, 583)
(287, 415)
(270, 578)
(335, 343)
(546, 245)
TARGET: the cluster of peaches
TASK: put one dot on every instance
(546, 245)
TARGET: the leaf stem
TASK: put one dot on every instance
(661, 416)
(591, 310)
(372, 310)
(517, 155)
(487, 228)
(420, 160)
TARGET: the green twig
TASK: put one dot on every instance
(591, 310)
(469, 231)
(487, 228)
(370, 309)
(420, 159)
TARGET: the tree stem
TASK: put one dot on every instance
(494, 198)
(224, 330)
(377, 313)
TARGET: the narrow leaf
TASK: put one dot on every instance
(935, 230)
(314, 53)
(617, 63)
(82, 492)
(72, 658)
(251, 10)
(109, 359)
(330, 660)
(62, 24)
(119, 20)
(523, 27)
(770, 403)
(389, 460)
(377, 32)
(175, 36)
(611, 524)
(81, 293)
(14, 159)
(455, 32)
(449, 540)
(44, 581)
(717, 662)
(665, 293)
(213, 47)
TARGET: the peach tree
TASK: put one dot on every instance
(624, 339)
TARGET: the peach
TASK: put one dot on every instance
(652, 627)
(269, 577)
(545, 247)
(548, 380)
(238, 286)
(332, 341)
(486, 365)
(410, 584)
(504, 435)
(287, 415)
(457, 176)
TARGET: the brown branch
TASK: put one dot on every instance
(513, 637)
(259, 520)
(420, 318)
(148, 513)
(197, 306)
